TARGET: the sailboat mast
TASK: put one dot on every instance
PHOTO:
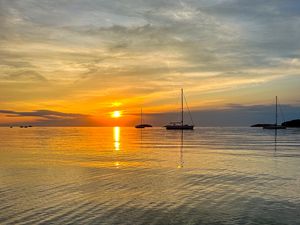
(276, 113)
(141, 115)
(181, 106)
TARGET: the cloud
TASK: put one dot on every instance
(43, 113)
(24, 76)
(51, 118)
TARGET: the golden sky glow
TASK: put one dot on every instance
(76, 62)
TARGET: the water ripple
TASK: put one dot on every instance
(209, 176)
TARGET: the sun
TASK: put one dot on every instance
(116, 114)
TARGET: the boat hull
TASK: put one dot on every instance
(179, 127)
(143, 125)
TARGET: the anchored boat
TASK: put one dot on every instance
(142, 125)
(274, 126)
(180, 125)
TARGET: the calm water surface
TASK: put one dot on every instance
(151, 176)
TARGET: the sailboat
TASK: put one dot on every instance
(179, 125)
(274, 126)
(142, 125)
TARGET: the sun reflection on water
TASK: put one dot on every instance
(117, 164)
(117, 138)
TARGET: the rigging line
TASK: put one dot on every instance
(281, 111)
(188, 109)
(179, 108)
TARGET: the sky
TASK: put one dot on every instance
(75, 62)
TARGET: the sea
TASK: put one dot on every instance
(123, 175)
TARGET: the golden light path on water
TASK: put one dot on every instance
(148, 176)
(116, 138)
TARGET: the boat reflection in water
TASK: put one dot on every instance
(181, 151)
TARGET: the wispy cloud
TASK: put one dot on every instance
(48, 114)
(24, 75)
(50, 118)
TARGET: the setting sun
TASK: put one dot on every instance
(116, 114)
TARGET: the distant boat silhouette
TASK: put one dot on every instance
(23, 126)
(274, 126)
(142, 125)
(180, 125)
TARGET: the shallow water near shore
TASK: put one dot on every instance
(119, 175)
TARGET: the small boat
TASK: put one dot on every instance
(180, 125)
(274, 126)
(142, 125)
